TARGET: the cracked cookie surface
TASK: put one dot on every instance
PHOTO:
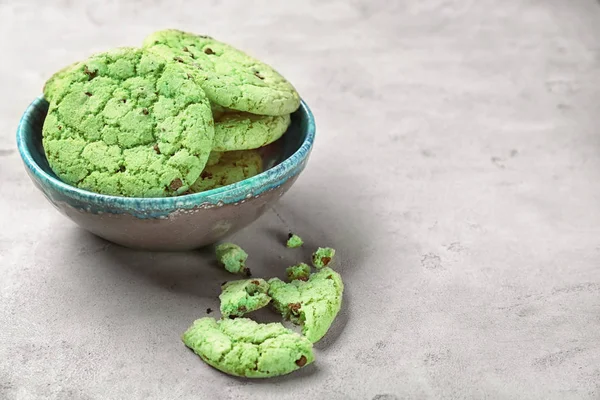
(127, 122)
(314, 303)
(243, 347)
(231, 78)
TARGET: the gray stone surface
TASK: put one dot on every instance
(456, 171)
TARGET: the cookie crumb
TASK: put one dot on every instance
(209, 310)
(233, 258)
(294, 241)
(322, 257)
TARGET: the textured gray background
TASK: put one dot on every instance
(456, 171)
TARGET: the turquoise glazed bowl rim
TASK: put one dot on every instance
(248, 188)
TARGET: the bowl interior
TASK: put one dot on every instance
(272, 155)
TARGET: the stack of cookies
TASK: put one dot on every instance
(182, 114)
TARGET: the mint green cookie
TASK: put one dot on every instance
(231, 78)
(241, 297)
(128, 123)
(244, 131)
(322, 257)
(233, 258)
(299, 272)
(242, 347)
(233, 166)
(294, 241)
(313, 304)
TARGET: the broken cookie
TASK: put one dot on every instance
(314, 304)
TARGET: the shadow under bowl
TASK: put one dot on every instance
(170, 223)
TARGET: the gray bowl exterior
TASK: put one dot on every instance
(174, 223)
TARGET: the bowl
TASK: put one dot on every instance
(170, 223)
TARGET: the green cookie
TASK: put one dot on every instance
(314, 303)
(127, 122)
(231, 78)
(233, 166)
(232, 257)
(241, 297)
(242, 347)
(244, 131)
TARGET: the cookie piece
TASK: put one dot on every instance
(322, 257)
(244, 296)
(57, 80)
(245, 131)
(233, 258)
(299, 272)
(233, 166)
(313, 304)
(294, 241)
(242, 347)
(231, 78)
(127, 122)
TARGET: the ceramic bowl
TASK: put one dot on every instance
(171, 223)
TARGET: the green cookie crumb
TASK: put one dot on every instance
(294, 241)
(243, 296)
(313, 304)
(322, 257)
(233, 258)
(243, 347)
(299, 272)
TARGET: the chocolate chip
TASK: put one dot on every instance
(91, 74)
(258, 75)
(208, 50)
(303, 278)
(178, 59)
(185, 48)
(124, 100)
(206, 175)
(255, 282)
(59, 128)
(145, 111)
(325, 260)
(294, 307)
(208, 310)
(156, 149)
(242, 309)
(329, 276)
(88, 94)
(301, 362)
(175, 184)
(204, 37)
